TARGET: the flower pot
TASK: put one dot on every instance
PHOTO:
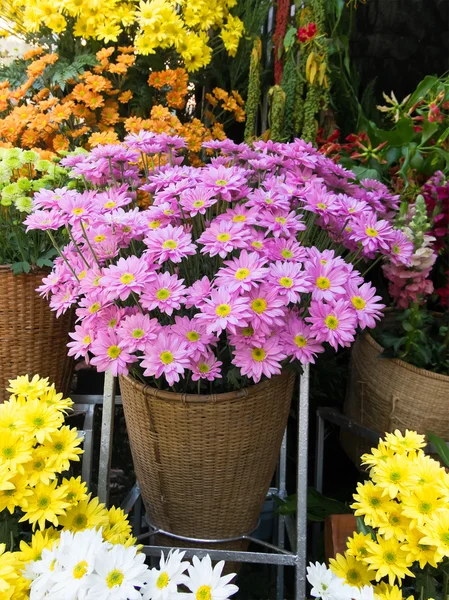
(205, 462)
(32, 340)
(386, 394)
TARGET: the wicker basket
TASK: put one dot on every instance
(205, 463)
(386, 394)
(32, 340)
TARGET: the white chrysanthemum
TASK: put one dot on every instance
(326, 585)
(364, 593)
(118, 572)
(163, 582)
(43, 572)
(206, 582)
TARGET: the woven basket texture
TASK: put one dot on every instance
(32, 340)
(205, 463)
(386, 394)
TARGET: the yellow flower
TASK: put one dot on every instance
(85, 515)
(63, 447)
(394, 523)
(388, 558)
(108, 32)
(76, 490)
(118, 529)
(370, 503)
(357, 545)
(22, 386)
(9, 411)
(427, 470)
(39, 421)
(422, 503)
(41, 467)
(379, 454)
(384, 591)
(10, 499)
(39, 541)
(353, 571)
(5, 478)
(405, 443)
(52, 398)
(394, 474)
(8, 574)
(418, 551)
(14, 450)
(46, 504)
(436, 533)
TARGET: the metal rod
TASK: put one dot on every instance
(230, 555)
(267, 545)
(81, 399)
(107, 427)
(301, 508)
(282, 473)
(88, 445)
(319, 453)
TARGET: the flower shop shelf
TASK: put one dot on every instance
(272, 554)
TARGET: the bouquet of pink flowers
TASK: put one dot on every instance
(236, 269)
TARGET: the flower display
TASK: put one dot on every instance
(236, 249)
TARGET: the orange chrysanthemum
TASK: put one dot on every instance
(106, 137)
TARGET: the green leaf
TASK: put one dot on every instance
(428, 129)
(443, 136)
(403, 133)
(20, 267)
(421, 91)
(362, 527)
(440, 445)
(290, 38)
(365, 173)
(407, 326)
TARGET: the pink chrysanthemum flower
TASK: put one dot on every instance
(111, 316)
(326, 281)
(365, 303)
(372, 234)
(165, 292)
(224, 310)
(63, 299)
(91, 305)
(206, 366)
(129, 275)
(197, 200)
(167, 357)
(246, 336)
(285, 249)
(257, 242)
(197, 292)
(192, 333)
(169, 243)
(44, 220)
(267, 309)
(288, 280)
(401, 249)
(262, 359)
(224, 181)
(320, 201)
(334, 323)
(281, 223)
(77, 208)
(242, 273)
(223, 237)
(136, 331)
(299, 342)
(262, 199)
(239, 214)
(110, 354)
(82, 337)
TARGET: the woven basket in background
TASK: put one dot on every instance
(205, 463)
(32, 340)
(385, 394)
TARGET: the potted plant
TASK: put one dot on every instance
(32, 338)
(202, 303)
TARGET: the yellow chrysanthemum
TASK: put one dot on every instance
(39, 421)
(436, 533)
(379, 454)
(10, 499)
(39, 541)
(63, 446)
(8, 575)
(394, 523)
(369, 503)
(353, 571)
(22, 386)
(357, 545)
(388, 559)
(9, 411)
(395, 474)
(383, 591)
(14, 450)
(417, 551)
(86, 514)
(427, 470)
(118, 529)
(422, 503)
(46, 504)
(41, 468)
(52, 398)
(405, 443)
(5, 478)
(76, 490)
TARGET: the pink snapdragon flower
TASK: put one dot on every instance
(169, 243)
(262, 359)
(206, 366)
(224, 310)
(167, 356)
(299, 342)
(242, 273)
(110, 354)
(334, 323)
(165, 292)
(129, 275)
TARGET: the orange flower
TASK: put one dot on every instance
(76, 133)
(220, 94)
(61, 113)
(60, 142)
(29, 138)
(218, 131)
(160, 112)
(125, 97)
(119, 68)
(175, 100)
(24, 113)
(126, 49)
(126, 59)
(133, 124)
(109, 116)
(46, 104)
(97, 83)
(143, 199)
(109, 137)
(211, 99)
(239, 99)
(80, 92)
(4, 84)
(32, 53)
(82, 112)
(105, 53)
(36, 68)
(95, 101)
(41, 95)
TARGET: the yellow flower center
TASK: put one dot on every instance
(300, 341)
(8, 452)
(154, 224)
(323, 283)
(163, 294)
(95, 307)
(203, 368)
(238, 218)
(258, 354)
(286, 282)
(223, 237)
(112, 323)
(358, 302)
(127, 278)
(80, 569)
(331, 322)
(221, 182)
(138, 333)
(96, 281)
(78, 211)
(396, 249)
(321, 206)
(389, 558)
(58, 448)
(170, 244)
(323, 261)
(444, 537)
(169, 212)
(192, 336)
(115, 577)
(223, 310)
(259, 305)
(166, 357)
(38, 422)
(110, 204)
(82, 275)
(353, 576)
(425, 507)
(114, 351)
(198, 203)
(268, 201)
(247, 331)
(281, 220)
(79, 522)
(162, 580)
(99, 238)
(204, 593)
(257, 245)
(43, 502)
(286, 253)
(371, 232)
(242, 273)
(395, 476)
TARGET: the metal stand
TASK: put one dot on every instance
(272, 554)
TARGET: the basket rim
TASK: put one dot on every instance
(178, 398)
(34, 270)
(397, 361)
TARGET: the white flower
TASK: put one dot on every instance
(163, 582)
(327, 585)
(42, 572)
(118, 572)
(364, 593)
(206, 582)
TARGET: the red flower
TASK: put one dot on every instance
(307, 33)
